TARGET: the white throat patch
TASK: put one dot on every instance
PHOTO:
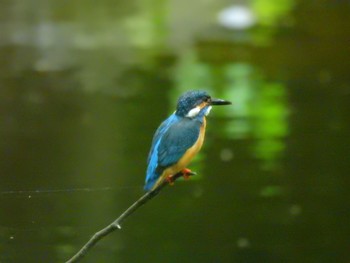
(194, 112)
(208, 111)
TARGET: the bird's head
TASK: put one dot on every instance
(191, 103)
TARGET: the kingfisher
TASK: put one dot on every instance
(179, 138)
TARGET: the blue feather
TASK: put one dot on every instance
(170, 142)
(152, 176)
(176, 141)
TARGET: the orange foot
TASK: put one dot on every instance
(186, 173)
(170, 180)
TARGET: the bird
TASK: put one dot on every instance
(179, 138)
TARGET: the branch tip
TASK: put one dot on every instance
(116, 224)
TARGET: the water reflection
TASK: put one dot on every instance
(83, 85)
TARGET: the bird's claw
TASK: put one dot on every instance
(170, 180)
(186, 173)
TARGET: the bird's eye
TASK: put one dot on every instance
(207, 99)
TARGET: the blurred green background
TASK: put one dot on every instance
(84, 85)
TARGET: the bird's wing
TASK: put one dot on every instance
(178, 138)
(152, 176)
(159, 133)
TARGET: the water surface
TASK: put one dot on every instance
(83, 86)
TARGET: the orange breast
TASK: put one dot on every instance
(189, 154)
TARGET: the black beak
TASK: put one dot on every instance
(219, 102)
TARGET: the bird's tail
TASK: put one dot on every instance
(153, 182)
(149, 185)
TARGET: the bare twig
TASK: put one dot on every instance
(116, 224)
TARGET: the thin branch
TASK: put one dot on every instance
(116, 224)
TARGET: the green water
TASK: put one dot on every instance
(84, 85)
